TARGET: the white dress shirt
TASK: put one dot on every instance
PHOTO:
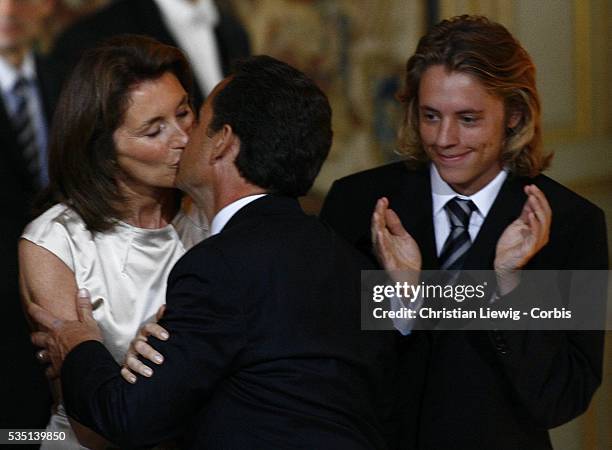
(441, 193)
(192, 24)
(8, 77)
(228, 212)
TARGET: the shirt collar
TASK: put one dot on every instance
(224, 216)
(201, 11)
(9, 74)
(441, 192)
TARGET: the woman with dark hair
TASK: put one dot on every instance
(114, 224)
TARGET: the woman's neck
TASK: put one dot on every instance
(152, 209)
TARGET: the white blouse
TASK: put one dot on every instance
(126, 267)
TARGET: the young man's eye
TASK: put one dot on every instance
(469, 120)
(428, 116)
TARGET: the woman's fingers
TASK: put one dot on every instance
(135, 365)
(160, 312)
(146, 351)
(154, 329)
(128, 375)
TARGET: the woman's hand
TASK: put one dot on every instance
(140, 347)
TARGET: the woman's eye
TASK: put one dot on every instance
(429, 116)
(183, 113)
(153, 133)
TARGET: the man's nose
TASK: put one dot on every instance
(447, 135)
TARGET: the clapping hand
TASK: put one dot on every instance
(394, 247)
(522, 239)
(140, 347)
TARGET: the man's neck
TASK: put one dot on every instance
(14, 56)
(230, 197)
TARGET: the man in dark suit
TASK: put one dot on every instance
(28, 88)
(180, 23)
(263, 316)
(470, 195)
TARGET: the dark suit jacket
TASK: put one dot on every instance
(24, 385)
(265, 347)
(500, 390)
(144, 17)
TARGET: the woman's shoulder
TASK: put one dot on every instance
(57, 230)
(60, 214)
(59, 221)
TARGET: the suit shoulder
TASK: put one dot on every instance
(361, 190)
(205, 250)
(109, 20)
(563, 200)
(387, 174)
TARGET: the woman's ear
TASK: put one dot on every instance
(514, 118)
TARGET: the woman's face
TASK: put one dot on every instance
(153, 134)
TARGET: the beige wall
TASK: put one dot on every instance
(356, 51)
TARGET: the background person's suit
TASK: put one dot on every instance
(499, 390)
(23, 382)
(265, 342)
(144, 17)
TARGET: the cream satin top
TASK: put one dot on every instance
(126, 267)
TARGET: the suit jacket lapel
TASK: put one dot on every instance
(506, 208)
(12, 149)
(48, 78)
(151, 23)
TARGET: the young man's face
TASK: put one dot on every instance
(21, 22)
(462, 127)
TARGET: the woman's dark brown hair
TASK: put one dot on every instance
(488, 52)
(82, 154)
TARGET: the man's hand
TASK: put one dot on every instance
(63, 335)
(140, 346)
(394, 247)
(522, 239)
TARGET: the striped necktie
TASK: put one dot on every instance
(24, 127)
(458, 242)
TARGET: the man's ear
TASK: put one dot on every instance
(226, 144)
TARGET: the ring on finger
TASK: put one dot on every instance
(41, 355)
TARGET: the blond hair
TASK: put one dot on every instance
(487, 51)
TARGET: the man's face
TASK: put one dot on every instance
(195, 166)
(21, 22)
(462, 127)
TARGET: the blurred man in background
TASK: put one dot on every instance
(211, 36)
(28, 87)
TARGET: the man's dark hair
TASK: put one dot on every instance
(82, 156)
(283, 121)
